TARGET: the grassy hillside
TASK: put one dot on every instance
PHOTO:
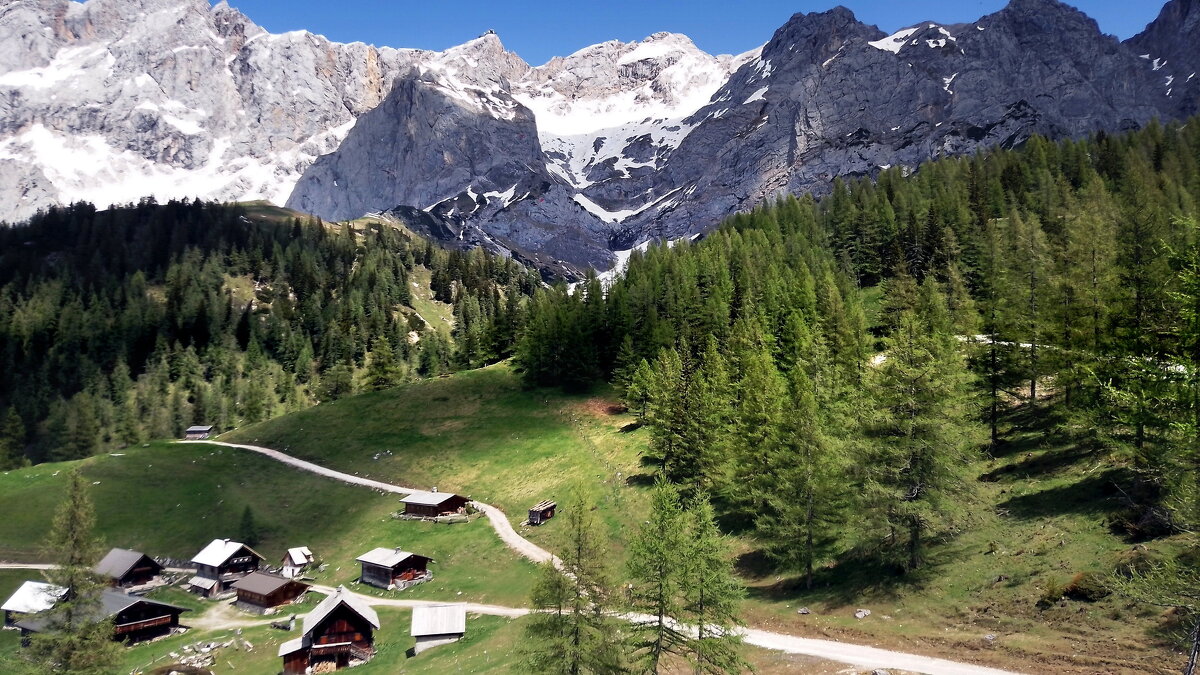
(1039, 520)
(171, 500)
(478, 433)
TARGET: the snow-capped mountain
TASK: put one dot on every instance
(114, 100)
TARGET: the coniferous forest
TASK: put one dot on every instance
(133, 323)
(827, 369)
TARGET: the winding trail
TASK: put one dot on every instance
(495, 516)
(855, 655)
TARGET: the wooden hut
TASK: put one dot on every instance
(125, 568)
(390, 568)
(433, 504)
(262, 593)
(220, 564)
(198, 432)
(31, 598)
(296, 561)
(133, 618)
(434, 625)
(542, 512)
(337, 634)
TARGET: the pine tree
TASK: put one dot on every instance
(75, 640)
(658, 558)
(712, 593)
(12, 441)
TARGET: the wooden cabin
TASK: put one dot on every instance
(390, 568)
(542, 512)
(198, 433)
(220, 564)
(433, 504)
(125, 568)
(133, 618)
(296, 561)
(31, 598)
(434, 625)
(339, 633)
(259, 592)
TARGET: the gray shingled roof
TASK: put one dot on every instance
(340, 597)
(118, 562)
(262, 584)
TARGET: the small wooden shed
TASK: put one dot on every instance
(434, 625)
(433, 504)
(259, 592)
(198, 432)
(296, 561)
(390, 568)
(542, 512)
(126, 568)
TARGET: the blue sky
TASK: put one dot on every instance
(538, 30)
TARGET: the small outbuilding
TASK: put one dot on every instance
(542, 512)
(220, 564)
(434, 625)
(390, 568)
(433, 504)
(31, 598)
(126, 569)
(198, 433)
(262, 593)
(338, 633)
(296, 561)
(133, 618)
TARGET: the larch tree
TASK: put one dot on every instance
(924, 431)
(76, 637)
(712, 594)
(658, 560)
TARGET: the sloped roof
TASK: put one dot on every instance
(198, 429)
(386, 557)
(428, 498)
(219, 551)
(111, 604)
(438, 620)
(340, 597)
(118, 562)
(299, 555)
(292, 646)
(202, 582)
(33, 597)
(262, 584)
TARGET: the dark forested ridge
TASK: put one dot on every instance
(132, 323)
(842, 361)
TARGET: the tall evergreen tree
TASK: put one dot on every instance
(658, 559)
(712, 593)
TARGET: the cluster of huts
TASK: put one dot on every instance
(338, 633)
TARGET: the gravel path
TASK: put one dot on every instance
(495, 516)
(856, 655)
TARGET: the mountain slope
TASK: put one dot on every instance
(113, 100)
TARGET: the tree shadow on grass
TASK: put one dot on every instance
(1040, 464)
(852, 580)
(1095, 495)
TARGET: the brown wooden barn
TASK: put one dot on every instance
(260, 592)
(134, 618)
(389, 568)
(338, 633)
(220, 564)
(433, 504)
(126, 568)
